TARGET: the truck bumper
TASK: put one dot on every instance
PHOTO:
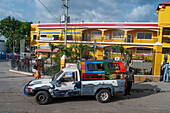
(27, 92)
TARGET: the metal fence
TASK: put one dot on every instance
(25, 65)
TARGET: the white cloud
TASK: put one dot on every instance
(141, 13)
(43, 15)
(6, 10)
(81, 10)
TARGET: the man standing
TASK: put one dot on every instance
(165, 68)
(166, 71)
(129, 80)
(38, 70)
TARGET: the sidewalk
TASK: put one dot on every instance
(152, 87)
(27, 73)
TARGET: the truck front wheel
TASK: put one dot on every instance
(103, 96)
(42, 97)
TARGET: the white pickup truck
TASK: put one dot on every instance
(68, 82)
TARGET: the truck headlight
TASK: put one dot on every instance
(29, 89)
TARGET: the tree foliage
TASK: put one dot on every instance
(79, 49)
(14, 30)
(52, 47)
(74, 52)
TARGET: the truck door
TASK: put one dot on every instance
(68, 85)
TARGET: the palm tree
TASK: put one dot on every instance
(128, 56)
(80, 48)
(64, 51)
(119, 48)
(52, 47)
(73, 51)
(122, 50)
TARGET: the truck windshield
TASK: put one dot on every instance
(57, 75)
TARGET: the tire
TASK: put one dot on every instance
(42, 97)
(103, 96)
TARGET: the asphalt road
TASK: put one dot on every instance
(13, 100)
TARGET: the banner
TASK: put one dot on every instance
(70, 65)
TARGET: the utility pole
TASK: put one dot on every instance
(66, 18)
(94, 49)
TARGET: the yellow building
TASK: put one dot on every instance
(148, 41)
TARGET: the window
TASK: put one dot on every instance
(113, 66)
(95, 67)
(69, 77)
(144, 35)
(166, 31)
(118, 34)
(69, 37)
(56, 37)
(107, 36)
(144, 51)
(43, 35)
(165, 50)
(34, 37)
(96, 34)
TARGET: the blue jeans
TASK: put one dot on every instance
(166, 74)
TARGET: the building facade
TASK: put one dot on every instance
(148, 41)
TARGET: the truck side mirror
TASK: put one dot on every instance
(61, 79)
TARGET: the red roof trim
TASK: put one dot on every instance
(167, 3)
(117, 24)
(163, 5)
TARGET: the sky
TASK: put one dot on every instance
(81, 10)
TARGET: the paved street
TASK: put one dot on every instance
(13, 100)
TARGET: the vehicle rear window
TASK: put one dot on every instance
(95, 67)
(113, 66)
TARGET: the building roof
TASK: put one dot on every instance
(162, 5)
(101, 25)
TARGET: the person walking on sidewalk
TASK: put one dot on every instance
(129, 80)
(38, 69)
(166, 71)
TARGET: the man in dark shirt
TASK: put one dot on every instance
(129, 80)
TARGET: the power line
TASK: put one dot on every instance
(48, 10)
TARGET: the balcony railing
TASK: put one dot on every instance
(46, 38)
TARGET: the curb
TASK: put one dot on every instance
(154, 90)
(21, 72)
(27, 73)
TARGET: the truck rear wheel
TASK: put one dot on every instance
(103, 96)
(42, 97)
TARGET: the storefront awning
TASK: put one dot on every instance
(47, 50)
